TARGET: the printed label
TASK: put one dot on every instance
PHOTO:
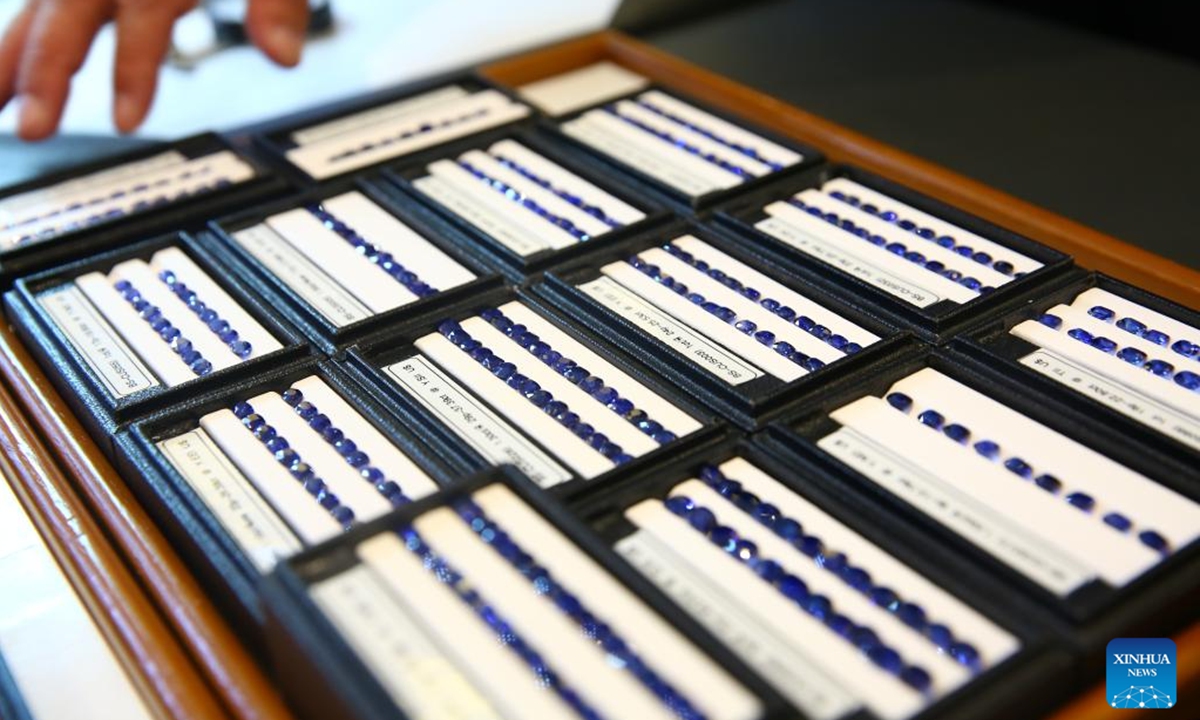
(793, 674)
(476, 424)
(102, 348)
(975, 521)
(231, 498)
(672, 333)
(498, 228)
(848, 262)
(326, 295)
(1119, 397)
(680, 178)
(399, 653)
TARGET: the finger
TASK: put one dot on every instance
(143, 38)
(58, 41)
(277, 27)
(10, 52)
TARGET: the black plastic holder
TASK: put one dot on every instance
(1029, 683)
(323, 677)
(100, 411)
(184, 214)
(193, 527)
(993, 345)
(693, 203)
(753, 403)
(323, 333)
(521, 267)
(368, 359)
(1157, 602)
(273, 138)
(936, 322)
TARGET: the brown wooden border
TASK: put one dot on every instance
(181, 654)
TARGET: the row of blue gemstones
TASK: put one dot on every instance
(170, 334)
(599, 632)
(528, 203)
(793, 588)
(682, 144)
(115, 195)
(766, 337)
(1136, 327)
(219, 326)
(118, 213)
(532, 391)
(419, 130)
(947, 241)
(738, 147)
(347, 448)
(1134, 356)
(804, 322)
(385, 261)
(991, 450)
(504, 632)
(594, 210)
(837, 563)
(578, 375)
(896, 248)
(286, 456)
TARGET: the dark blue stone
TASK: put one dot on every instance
(1130, 325)
(1118, 521)
(1017, 466)
(932, 418)
(1101, 313)
(1081, 500)
(957, 432)
(988, 449)
(1048, 482)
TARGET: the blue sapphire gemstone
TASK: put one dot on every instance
(886, 658)
(1185, 348)
(1188, 379)
(1048, 482)
(1003, 267)
(680, 504)
(702, 519)
(1018, 466)
(1161, 368)
(932, 418)
(916, 678)
(988, 449)
(242, 409)
(940, 635)
(1080, 334)
(788, 529)
(1118, 521)
(1104, 344)
(1130, 325)
(1156, 337)
(1101, 313)
(1081, 500)
(1132, 355)
(1050, 320)
(1154, 540)
(957, 432)
(793, 588)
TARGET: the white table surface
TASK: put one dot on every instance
(376, 44)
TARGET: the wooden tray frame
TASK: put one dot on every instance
(178, 650)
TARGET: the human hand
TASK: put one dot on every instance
(47, 43)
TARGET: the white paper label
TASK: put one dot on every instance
(318, 289)
(1116, 396)
(670, 332)
(848, 262)
(502, 229)
(420, 679)
(1030, 555)
(786, 668)
(102, 348)
(476, 424)
(231, 498)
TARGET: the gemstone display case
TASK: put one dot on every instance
(325, 678)
(169, 633)
(1152, 604)
(193, 527)
(326, 336)
(177, 215)
(936, 322)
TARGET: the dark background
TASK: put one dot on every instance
(1088, 109)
